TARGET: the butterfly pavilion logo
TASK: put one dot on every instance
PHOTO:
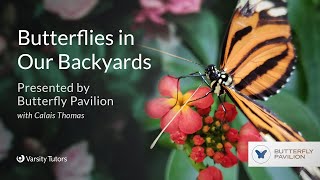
(261, 154)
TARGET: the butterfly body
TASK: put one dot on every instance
(261, 154)
(217, 79)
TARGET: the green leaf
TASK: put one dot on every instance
(96, 175)
(229, 173)
(176, 67)
(201, 33)
(305, 20)
(295, 113)
(165, 141)
(270, 173)
(27, 172)
(151, 124)
(179, 167)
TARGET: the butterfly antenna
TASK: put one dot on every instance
(169, 54)
(173, 118)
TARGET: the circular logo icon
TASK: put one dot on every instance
(20, 159)
(261, 154)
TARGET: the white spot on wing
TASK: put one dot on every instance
(313, 170)
(254, 2)
(267, 137)
(264, 5)
(304, 175)
(241, 3)
(279, 11)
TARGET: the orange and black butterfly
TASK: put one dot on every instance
(257, 60)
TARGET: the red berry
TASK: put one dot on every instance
(210, 173)
(197, 154)
(198, 140)
(178, 137)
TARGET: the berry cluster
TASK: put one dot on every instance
(215, 139)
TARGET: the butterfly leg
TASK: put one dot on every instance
(195, 74)
(221, 102)
(211, 91)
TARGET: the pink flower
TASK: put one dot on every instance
(210, 173)
(150, 14)
(5, 141)
(247, 133)
(152, 3)
(188, 120)
(184, 6)
(153, 10)
(79, 163)
(70, 9)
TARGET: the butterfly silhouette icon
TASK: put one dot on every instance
(261, 154)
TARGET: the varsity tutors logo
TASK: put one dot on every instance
(40, 159)
(284, 154)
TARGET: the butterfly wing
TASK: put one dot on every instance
(258, 52)
(267, 123)
(258, 153)
(264, 152)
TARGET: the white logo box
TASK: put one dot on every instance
(284, 154)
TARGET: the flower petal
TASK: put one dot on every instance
(247, 133)
(169, 86)
(184, 6)
(242, 150)
(174, 126)
(150, 14)
(190, 121)
(203, 102)
(152, 3)
(158, 107)
(249, 130)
